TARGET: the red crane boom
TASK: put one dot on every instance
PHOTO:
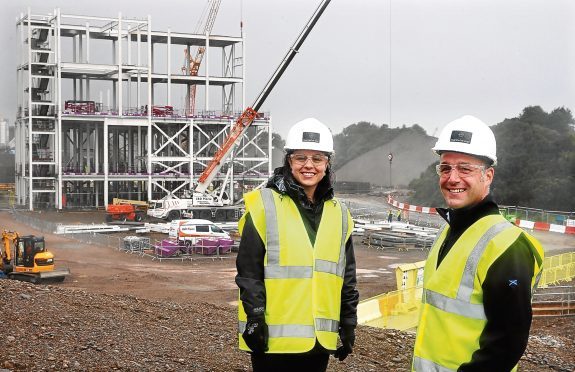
(250, 113)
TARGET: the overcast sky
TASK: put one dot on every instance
(383, 61)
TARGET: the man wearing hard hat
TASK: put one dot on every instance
(296, 266)
(481, 270)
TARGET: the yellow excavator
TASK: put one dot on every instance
(26, 258)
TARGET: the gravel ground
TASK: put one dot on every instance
(50, 328)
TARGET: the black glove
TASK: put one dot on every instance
(256, 335)
(347, 336)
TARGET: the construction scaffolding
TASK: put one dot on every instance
(75, 149)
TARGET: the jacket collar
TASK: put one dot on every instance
(461, 219)
(283, 182)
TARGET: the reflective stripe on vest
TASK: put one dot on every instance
(285, 330)
(273, 270)
(466, 286)
(326, 325)
(328, 266)
(272, 230)
(420, 364)
(462, 305)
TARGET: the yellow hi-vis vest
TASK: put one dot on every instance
(303, 282)
(452, 317)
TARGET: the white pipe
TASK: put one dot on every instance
(169, 67)
(138, 63)
(129, 43)
(105, 163)
(139, 149)
(149, 138)
(243, 72)
(114, 83)
(30, 113)
(87, 42)
(58, 152)
(18, 128)
(75, 60)
(96, 152)
(81, 60)
(191, 149)
(120, 74)
(207, 64)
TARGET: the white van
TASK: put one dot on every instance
(189, 231)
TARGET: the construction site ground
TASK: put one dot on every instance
(121, 311)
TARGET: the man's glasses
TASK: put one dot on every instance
(463, 169)
(301, 159)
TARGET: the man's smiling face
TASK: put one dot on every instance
(459, 190)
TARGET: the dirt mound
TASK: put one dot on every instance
(411, 155)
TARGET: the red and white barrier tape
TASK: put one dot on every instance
(541, 226)
(409, 207)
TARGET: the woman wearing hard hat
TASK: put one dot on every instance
(296, 266)
(481, 269)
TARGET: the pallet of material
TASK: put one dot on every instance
(210, 247)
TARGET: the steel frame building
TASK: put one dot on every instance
(75, 150)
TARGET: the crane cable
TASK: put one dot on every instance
(241, 17)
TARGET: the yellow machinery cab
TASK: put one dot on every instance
(26, 258)
(31, 255)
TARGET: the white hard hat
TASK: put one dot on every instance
(467, 135)
(309, 134)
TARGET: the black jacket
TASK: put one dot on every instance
(250, 260)
(506, 293)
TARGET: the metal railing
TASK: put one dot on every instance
(539, 215)
(557, 269)
(91, 108)
(554, 301)
(144, 247)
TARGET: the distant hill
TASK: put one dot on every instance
(411, 156)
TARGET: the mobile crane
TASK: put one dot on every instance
(26, 258)
(171, 208)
